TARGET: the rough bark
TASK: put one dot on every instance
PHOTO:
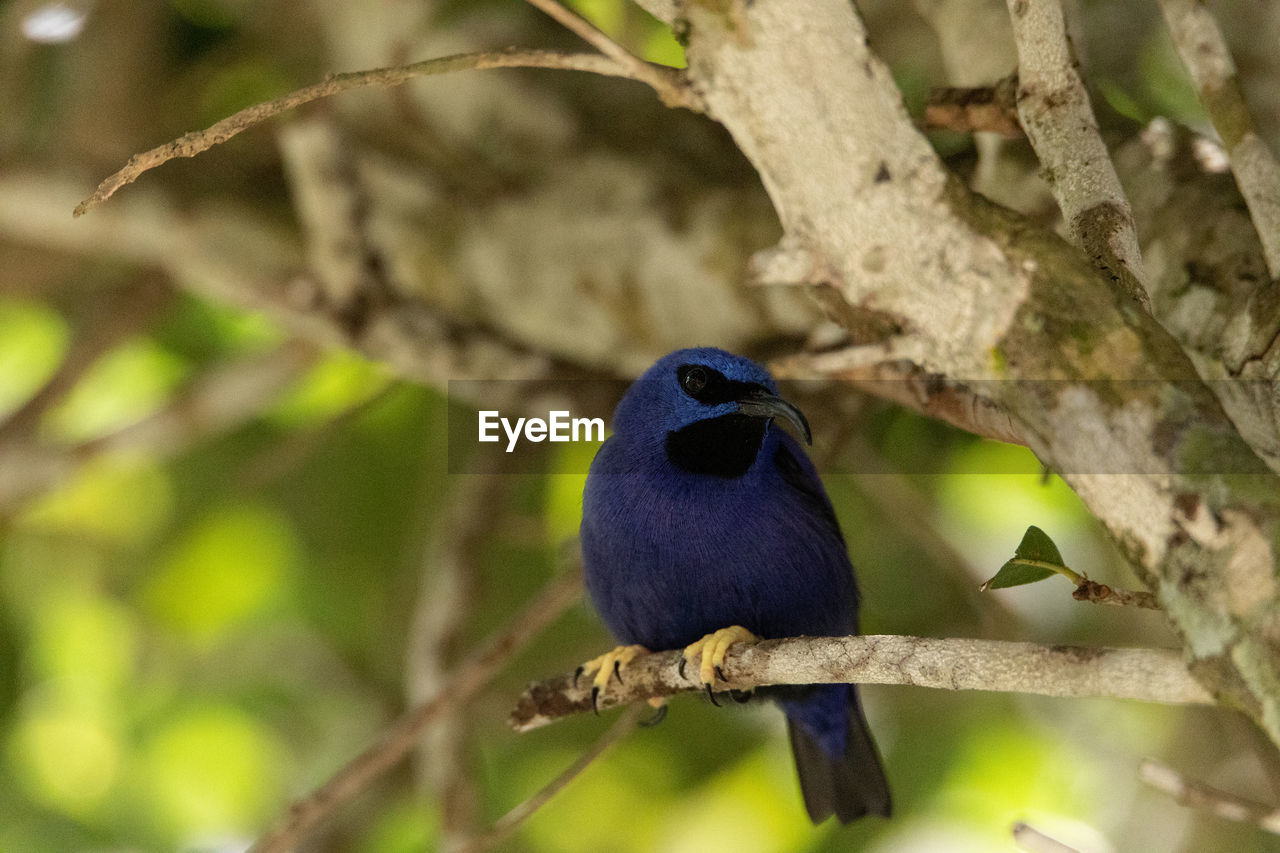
(1105, 395)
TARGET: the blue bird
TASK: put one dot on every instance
(705, 524)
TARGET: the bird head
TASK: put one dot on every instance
(710, 411)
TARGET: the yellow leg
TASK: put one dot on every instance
(608, 665)
(712, 649)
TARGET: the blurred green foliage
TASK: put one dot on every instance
(33, 340)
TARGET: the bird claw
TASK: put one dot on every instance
(659, 714)
(608, 665)
(712, 649)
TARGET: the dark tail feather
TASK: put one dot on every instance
(848, 787)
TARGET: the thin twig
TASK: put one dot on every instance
(1153, 675)
(403, 734)
(191, 144)
(1032, 840)
(1204, 52)
(1100, 593)
(511, 821)
(667, 82)
(1198, 795)
(1055, 112)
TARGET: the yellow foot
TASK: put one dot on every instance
(712, 649)
(608, 665)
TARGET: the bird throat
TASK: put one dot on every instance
(722, 447)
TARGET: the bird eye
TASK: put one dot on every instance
(693, 379)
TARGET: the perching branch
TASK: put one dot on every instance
(1055, 112)
(1204, 52)
(196, 142)
(1197, 795)
(1152, 675)
(403, 734)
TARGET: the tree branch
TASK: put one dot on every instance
(899, 381)
(1101, 593)
(971, 109)
(667, 82)
(511, 821)
(1153, 675)
(196, 142)
(1204, 52)
(1198, 795)
(1054, 109)
(1032, 840)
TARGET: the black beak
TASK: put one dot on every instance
(761, 404)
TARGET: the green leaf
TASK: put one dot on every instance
(1015, 573)
(1035, 559)
(1036, 545)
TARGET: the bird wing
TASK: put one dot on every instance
(799, 474)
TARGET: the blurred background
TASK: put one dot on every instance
(236, 540)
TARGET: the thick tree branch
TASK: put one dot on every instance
(1153, 675)
(1209, 284)
(1054, 109)
(196, 142)
(1204, 52)
(961, 405)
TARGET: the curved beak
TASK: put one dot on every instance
(761, 404)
